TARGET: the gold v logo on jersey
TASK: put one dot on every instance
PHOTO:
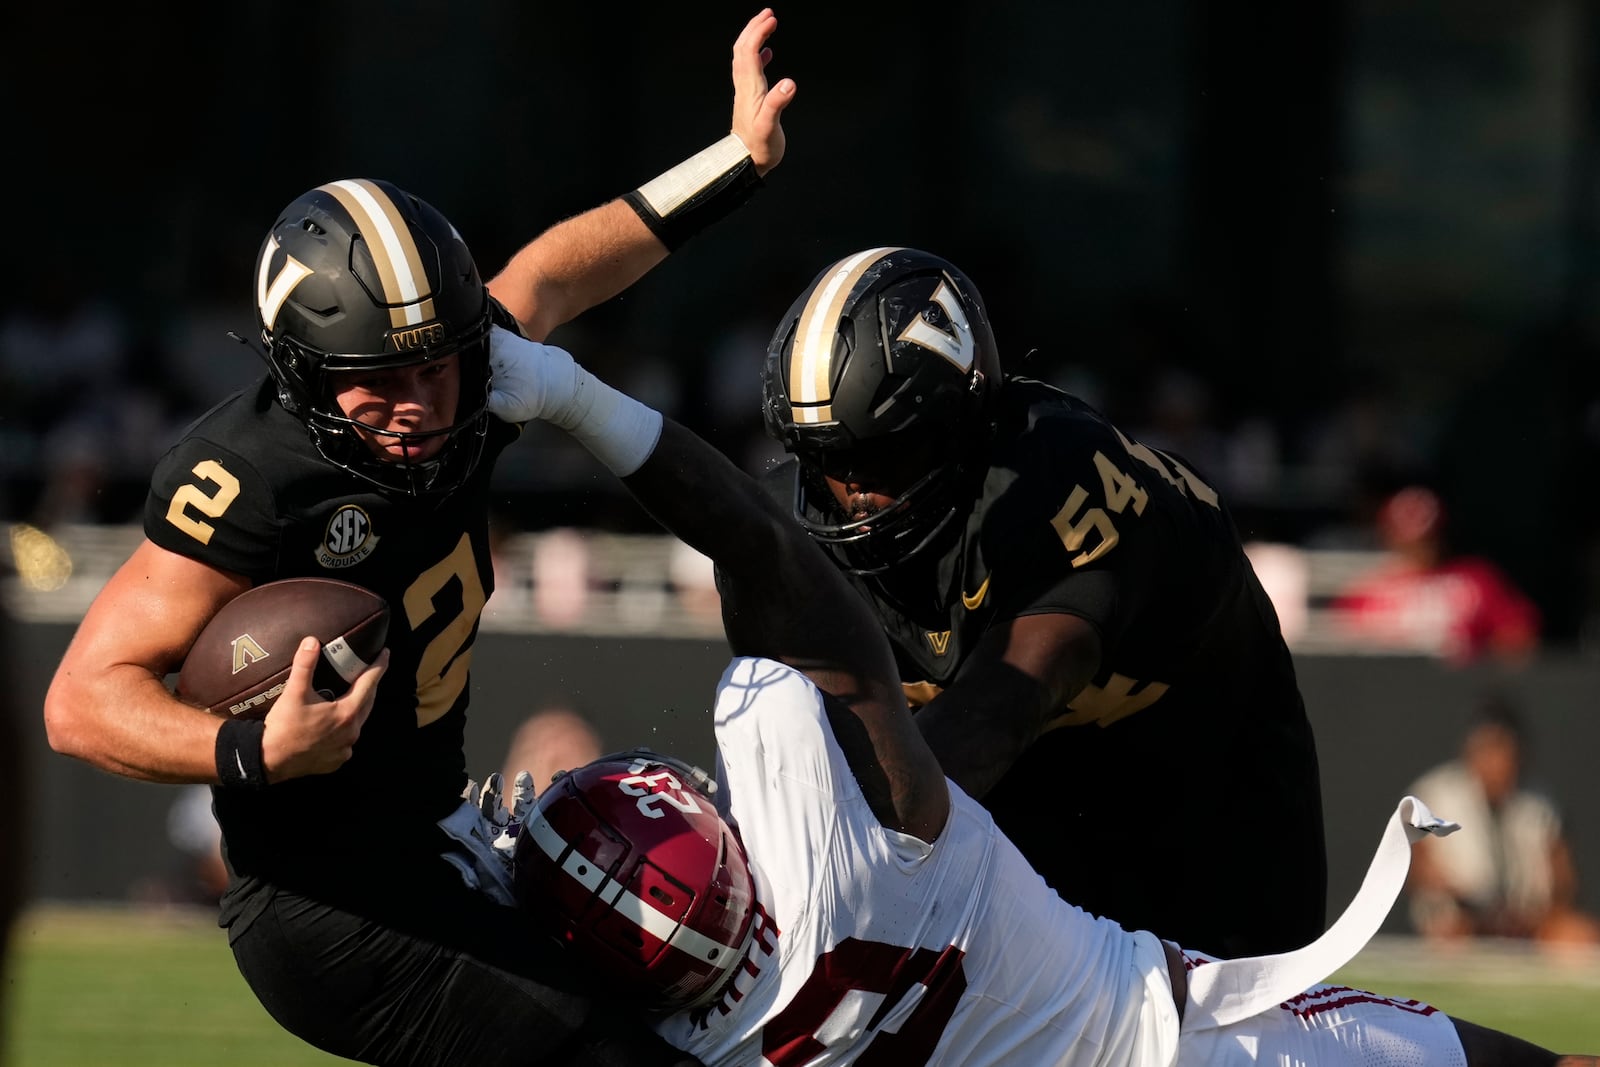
(270, 298)
(348, 539)
(247, 650)
(955, 344)
(939, 642)
(973, 602)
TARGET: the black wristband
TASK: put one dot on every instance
(702, 190)
(239, 759)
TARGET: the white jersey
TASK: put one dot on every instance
(874, 947)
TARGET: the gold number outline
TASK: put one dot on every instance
(212, 506)
(1185, 480)
(1103, 706)
(446, 660)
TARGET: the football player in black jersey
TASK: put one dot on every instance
(1072, 609)
(365, 455)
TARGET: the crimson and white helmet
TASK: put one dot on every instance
(627, 861)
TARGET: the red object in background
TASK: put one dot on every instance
(1462, 608)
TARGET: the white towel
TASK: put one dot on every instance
(1227, 991)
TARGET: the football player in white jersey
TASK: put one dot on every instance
(831, 898)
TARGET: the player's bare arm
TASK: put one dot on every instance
(1023, 671)
(109, 705)
(590, 258)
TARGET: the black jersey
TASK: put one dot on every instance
(1194, 729)
(245, 490)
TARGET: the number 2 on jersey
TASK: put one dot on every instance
(211, 505)
(442, 671)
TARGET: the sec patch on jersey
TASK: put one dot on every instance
(238, 665)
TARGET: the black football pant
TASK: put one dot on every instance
(445, 978)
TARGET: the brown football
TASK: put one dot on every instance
(239, 663)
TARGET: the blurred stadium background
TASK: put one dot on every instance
(1323, 248)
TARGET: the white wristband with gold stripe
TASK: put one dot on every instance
(684, 200)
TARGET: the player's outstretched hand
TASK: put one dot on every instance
(757, 110)
(308, 734)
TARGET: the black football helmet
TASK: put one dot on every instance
(887, 348)
(361, 275)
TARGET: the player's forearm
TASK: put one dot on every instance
(590, 258)
(124, 720)
(978, 729)
(783, 599)
(1022, 675)
(983, 722)
(575, 265)
(698, 494)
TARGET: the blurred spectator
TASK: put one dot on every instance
(554, 738)
(1427, 599)
(1509, 871)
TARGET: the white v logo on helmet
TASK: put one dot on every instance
(956, 347)
(270, 298)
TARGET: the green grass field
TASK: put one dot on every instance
(112, 988)
(91, 988)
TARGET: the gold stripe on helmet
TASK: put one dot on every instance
(811, 362)
(406, 290)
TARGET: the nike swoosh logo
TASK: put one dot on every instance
(971, 602)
